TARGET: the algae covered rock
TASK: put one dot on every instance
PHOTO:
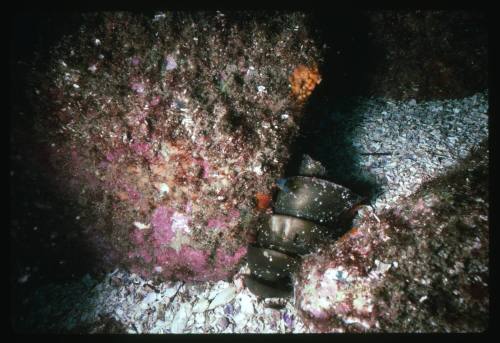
(164, 128)
(419, 267)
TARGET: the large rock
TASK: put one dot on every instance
(164, 128)
(422, 268)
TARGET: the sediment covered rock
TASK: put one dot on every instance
(164, 128)
(419, 267)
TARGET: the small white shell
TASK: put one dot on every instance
(201, 305)
(141, 226)
(181, 318)
(223, 297)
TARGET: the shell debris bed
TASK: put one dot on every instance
(424, 139)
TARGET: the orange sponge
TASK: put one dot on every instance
(263, 201)
(303, 81)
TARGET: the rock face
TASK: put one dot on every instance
(420, 267)
(413, 54)
(165, 127)
(428, 54)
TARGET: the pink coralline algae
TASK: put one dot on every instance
(132, 193)
(216, 223)
(141, 148)
(146, 256)
(329, 303)
(186, 264)
(114, 155)
(225, 263)
(205, 166)
(228, 260)
(191, 264)
(337, 290)
(223, 222)
(195, 265)
(337, 294)
(137, 236)
(162, 225)
(196, 260)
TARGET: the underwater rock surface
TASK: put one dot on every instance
(419, 267)
(165, 128)
(142, 305)
(98, 77)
